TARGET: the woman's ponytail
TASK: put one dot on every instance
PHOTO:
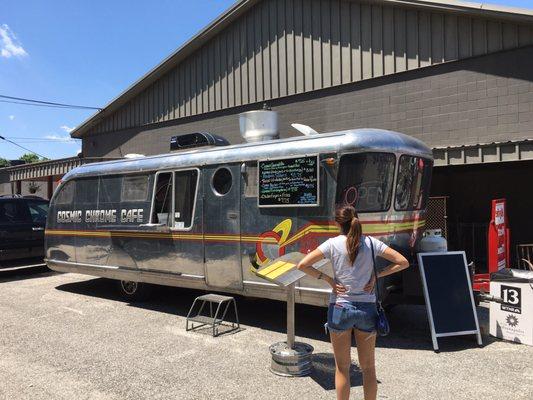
(353, 238)
(350, 225)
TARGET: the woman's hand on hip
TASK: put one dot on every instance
(338, 288)
(369, 287)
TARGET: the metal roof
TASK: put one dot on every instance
(324, 143)
(241, 6)
(519, 150)
(47, 168)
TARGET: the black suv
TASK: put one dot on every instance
(22, 223)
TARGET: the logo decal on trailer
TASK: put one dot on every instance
(266, 250)
(511, 320)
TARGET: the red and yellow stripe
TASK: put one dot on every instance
(375, 228)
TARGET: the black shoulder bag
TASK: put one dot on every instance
(382, 324)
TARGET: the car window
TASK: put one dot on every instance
(13, 212)
(38, 211)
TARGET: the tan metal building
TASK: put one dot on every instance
(457, 75)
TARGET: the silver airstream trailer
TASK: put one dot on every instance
(203, 217)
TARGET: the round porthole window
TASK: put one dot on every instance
(222, 181)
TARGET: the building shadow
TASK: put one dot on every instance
(409, 323)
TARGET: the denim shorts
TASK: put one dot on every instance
(354, 314)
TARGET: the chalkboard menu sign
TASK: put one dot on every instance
(289, 182)
(448, 293)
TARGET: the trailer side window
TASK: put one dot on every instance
(185, 183)
(109, 190)
(66, 194)
(365, 181)
(86, 191)
(162, 198)
(412, 183)
(251, 181)
(134, 188)
(222, 181)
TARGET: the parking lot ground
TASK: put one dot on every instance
(68, 336)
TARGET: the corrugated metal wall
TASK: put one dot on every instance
(285, 47)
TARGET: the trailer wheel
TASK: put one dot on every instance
(134, 291)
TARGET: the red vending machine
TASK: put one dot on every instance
(498, 244)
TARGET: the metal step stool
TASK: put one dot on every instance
(212, 319)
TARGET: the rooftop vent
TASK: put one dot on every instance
(256, 126)
(198, 139)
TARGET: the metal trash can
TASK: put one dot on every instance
(511, 318)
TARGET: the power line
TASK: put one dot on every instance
(38, 105)
(41, 139)
(22, 147)
(21, 100)
(46, 141)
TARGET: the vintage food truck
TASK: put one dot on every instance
(204, 216)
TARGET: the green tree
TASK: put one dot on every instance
(4, 163)
(31, 158)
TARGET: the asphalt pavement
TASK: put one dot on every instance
(68, 336)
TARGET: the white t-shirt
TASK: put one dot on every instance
(353, 277)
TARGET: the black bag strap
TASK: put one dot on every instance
(376, 285)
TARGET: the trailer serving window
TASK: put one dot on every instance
(162, 201)
(412, 184)
(175, 194)
(185, 183)
(365, 181)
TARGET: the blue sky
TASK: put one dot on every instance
(87, 52)
(82, 52)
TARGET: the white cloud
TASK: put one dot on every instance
(61, 139)
(9, 45)
(66, 128)
(11, 117)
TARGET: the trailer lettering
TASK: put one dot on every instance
(68, 216)
(107, 216)
(134, 215)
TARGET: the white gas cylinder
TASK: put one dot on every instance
(433, 242)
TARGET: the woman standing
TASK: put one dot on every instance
(352, 303)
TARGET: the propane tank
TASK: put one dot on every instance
(433, 242)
